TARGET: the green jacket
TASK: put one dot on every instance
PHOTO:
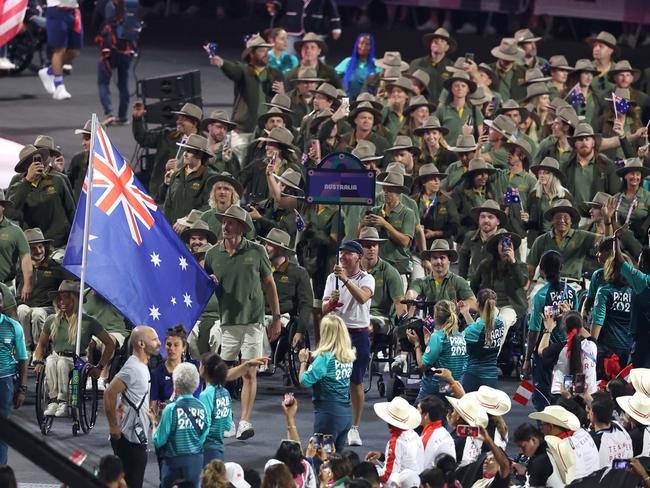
(471, 253)
(441, 216)
(298, 106)
(574, 248)
(164, 142)
(219, 165)
(251, 91)
(294, 294)
(536, 208)
(253, 178)
(507, 280)
(437, 74)
(605, 179)
(510, 84)
(466, 199)
(46, 277)
(548, 148)
(187, 192)
(77, 173)
(47, 204)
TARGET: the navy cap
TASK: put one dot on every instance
(352, 246)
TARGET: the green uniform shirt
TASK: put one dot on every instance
(329, 378)
(612, 311)
(176, 434)
(583, 178)
(46, 277)
(187, 192)
(207, 319)
(448, 352)
(77, 173)
(388, 287)
(452, 287)
(13, 245)
(218, 409)
(499, 156)
(522, 181)
(404, 220)
(240, 292)
(294, 293)
(548, 148)
(219, 165)
(61, 343)
(454, 120)
(507, 280)
(455, 173)
(510, 83)
(441, 215)
(639, 215)
(105, 313)
(573, 248)
(437, 74)
(9, 300)
(471, 253)
(482, 359)
(47, 204)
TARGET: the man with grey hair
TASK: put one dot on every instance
(129, 437)
(182, 430)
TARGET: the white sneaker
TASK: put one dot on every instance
(467, 28)
(429, 25)
(62, 410)
(51, 409)
(60, 93)
(6, 65)
(101, 384)
(354, 439)
(245, 430)
(232, 432)
(47, 80)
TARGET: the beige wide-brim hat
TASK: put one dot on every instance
(470, 410)
(66, 286)
(403, 143)
(311, 37)
(48, 143)
(564, 457)
(429, 170)
(392, 59)
(220, 116)
(507, 50)
(503, 124)
(492, 243)
(478, 165)
(526, 35)
(197, 143)
(3, 201)
(398, 413)
(280, 136)
(226, 178)
(278, 238)
(237, 213)
(558, 416)
(199, 227)
(35, 236)
(440, 33)
(535, 90)
(253, 43)
(621, 67)
(190, 218)
(636, 406)
(275, 112)
(394, 181)
(440, 246)
(549, 164)
(27, 153)
(563, 206)
(190, 110)
(633, 164)
(464, 144)
(535, 75)
(291, 178)
(640, 378)
(599, 201)
(495, 402)
(369, 234)
(460, 76)
(432, 123)
(85, 129)
(492, 207)
(365, 107)
(607, 39)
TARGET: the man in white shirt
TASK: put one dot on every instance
(435, 438)
(612, 440)
(348, 294)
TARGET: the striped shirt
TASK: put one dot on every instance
(216, 400)
(176, 435)
(12, 346)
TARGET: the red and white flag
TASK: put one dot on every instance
(524, 392)
(77, 457)
(12, 13)
(625, 373)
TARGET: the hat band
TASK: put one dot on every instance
(397, 418)
(492, 406)
(465, 415)
(642, 415)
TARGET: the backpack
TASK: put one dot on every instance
(121, 32)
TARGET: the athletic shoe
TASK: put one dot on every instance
(232, 432)
(47, 80)
(101, 384)
(51, 409)
(60, 93)
(245, 430)
(62, 410)
(354, 439)
(6, 65)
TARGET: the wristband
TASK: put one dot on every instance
(38, 361)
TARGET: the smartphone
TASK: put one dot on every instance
(579, 383)
(318, 441)
(506, 242)
(211, 48)
(620, 464)
(466, 431)
(328, 443)
(227, 140)
(288, 399)
(444, 389)
(345, 101)
(568, 382)
(469, 56)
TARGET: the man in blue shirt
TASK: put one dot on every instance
(13, 362)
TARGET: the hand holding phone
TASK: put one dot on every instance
(620, 464)
(328, 443)
(466, 431)
(289, 399)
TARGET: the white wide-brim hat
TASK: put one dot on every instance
(495, 402)
(636, 406)
(398, 413)
(470, 410)
(563, 456)
(557, 415)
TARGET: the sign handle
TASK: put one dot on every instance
(338, 244)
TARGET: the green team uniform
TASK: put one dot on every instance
(612, 311)
(61, 343)
(443, 351)
(218, 408)
(546, 297)
(451, 287)
(388, 286)
(574, 247)
(404, 220)
(13, 245)
(176, 434)
(105, 313)
(330, 380)
(482, 360)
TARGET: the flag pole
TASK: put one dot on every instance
(84, 249)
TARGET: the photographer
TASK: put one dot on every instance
(532, 445)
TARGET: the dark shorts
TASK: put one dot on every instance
(60, 25)
(361, 342)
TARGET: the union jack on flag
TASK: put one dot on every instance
(135, 260)
(511, 196)
(621, 105)
(575, 97)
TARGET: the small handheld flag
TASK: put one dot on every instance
(621, 105)
(300, 222)
(575, 97)
(524, 393)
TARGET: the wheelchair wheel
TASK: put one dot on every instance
(394, 388)
(292, 353)
(88, 400)
(42, 400)
(368, 379)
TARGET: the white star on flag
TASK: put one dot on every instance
(182, 262)
(155, 259)
(173, 300)
(154, 312)
(187, 299)
(91, 238)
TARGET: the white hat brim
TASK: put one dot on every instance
(624, 403)
(565, 462)
(474, 422)
(383, 412)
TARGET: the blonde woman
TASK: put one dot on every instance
(445, 347)
(225, 192)
(61, 329)
(329, 375)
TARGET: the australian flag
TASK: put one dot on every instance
(135, 259)
(575, 97)
(511, 196)
(622, 105)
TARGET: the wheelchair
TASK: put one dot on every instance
(382, 352)
(284, 355)
(82, 401)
